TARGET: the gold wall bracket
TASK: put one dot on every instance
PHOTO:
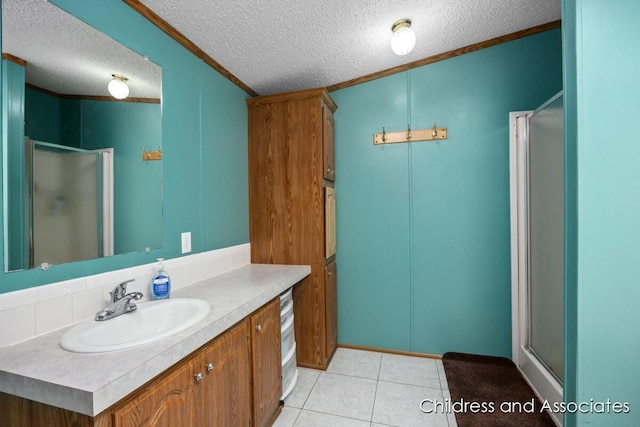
(151, 155)
(435, 133)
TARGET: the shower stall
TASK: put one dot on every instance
(69, 203)
(537, 247)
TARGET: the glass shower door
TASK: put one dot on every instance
(66, 204)
(546, 236)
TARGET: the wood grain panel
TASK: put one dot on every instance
(14, 411)
(169, 402)
(267, 363)
(331, 304)
(330, 222)
(447, 55)
(286, 202)
(44, 416)
(225, 392)
(328, 141)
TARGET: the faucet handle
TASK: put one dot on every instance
(120, 291)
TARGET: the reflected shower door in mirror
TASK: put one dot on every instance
(69, 203)
(56, 69)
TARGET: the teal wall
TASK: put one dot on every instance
(423, 228)
(128, 128)
(13, 100)
(601, 117)
(42, 116)
(193, 196)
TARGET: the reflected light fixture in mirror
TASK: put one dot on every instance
(118, 86)
(403, 39)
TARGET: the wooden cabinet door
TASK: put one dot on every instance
(267, 363)
(331, 305)
(225, 395)
(329, 222)
(328, 142)
(169, 402)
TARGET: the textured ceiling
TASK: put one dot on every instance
(277, 46)
(272, 46)
(68, 57)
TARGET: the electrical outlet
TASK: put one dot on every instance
(186, 242)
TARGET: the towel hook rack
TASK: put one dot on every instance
(435, 133)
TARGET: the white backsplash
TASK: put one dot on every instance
(35, 311)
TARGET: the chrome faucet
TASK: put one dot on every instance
(121, 302)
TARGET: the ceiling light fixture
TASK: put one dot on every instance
(403, 39)
(118, 86)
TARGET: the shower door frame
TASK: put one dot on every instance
(544, 384)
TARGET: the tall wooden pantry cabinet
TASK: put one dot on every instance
(292, 208)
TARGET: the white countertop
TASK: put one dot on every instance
(40, 370)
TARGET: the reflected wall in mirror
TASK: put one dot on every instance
(75, 183)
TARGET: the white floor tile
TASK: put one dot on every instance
(343, 395)
(451, 418)
(357, 363)
(418, 371)
(317, 419)
(306, 380)
(399, 405)
(287, 417)
(443, 377)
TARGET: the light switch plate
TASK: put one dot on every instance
(186, 242)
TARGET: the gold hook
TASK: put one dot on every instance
(384, 135)
(409, 135)
(435, 130)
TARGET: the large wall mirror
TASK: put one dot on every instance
(82, 170)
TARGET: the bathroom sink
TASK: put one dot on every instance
(151, 321)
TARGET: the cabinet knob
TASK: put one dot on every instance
(210, 367)
(330, 273)
(259, 328)
(329, 170)
(199, 376)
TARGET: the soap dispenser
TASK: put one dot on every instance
(161, 283)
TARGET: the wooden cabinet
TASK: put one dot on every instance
(267, 364)
(211, 388)
(225, 390)
(330, 222)
(328, 141)
(232, 381)
(291, 160)
(165, 403)
(331, 300)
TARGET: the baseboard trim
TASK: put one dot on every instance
(389, 351)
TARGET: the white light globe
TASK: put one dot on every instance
(403, 40)
(118, 88)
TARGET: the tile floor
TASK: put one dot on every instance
(368, 389)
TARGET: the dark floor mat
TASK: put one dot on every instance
(501, 395)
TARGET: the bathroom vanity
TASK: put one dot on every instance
(223, 371)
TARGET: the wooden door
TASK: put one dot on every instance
(267, 363)
(329, 222)
(331, 305)
(169, 402)
(328, 141)
(225, 394)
